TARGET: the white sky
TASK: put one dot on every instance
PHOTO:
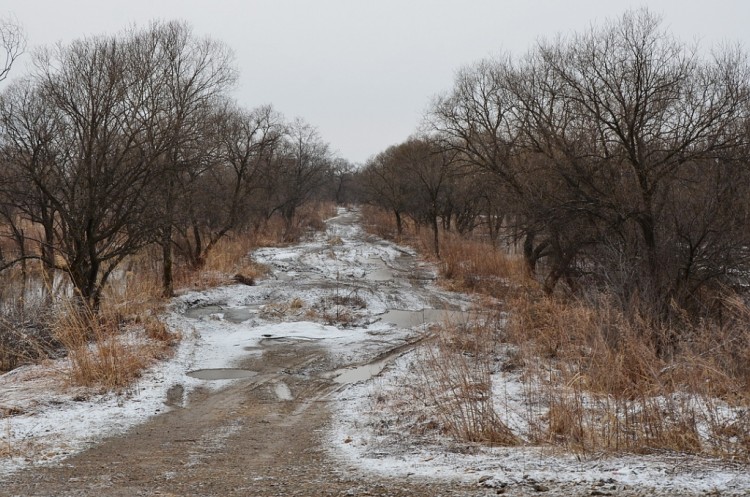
(364, 71)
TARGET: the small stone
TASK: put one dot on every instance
(541, 488)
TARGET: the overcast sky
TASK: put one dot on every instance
(364, 71)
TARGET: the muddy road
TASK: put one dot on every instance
(251, 438)
(301, 337)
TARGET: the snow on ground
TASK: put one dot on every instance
(46, 421)
(374, 434)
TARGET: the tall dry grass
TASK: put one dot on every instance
(609, 388)
(475, 266)
(455, 372)
(228, 258)
(98, 353)
(600, 379)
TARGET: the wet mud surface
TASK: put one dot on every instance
(263, 435)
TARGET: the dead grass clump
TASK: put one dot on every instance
(282, 310)
(97, 355)
(335, 241)
(105, 354)
(157, 331)
(340, 308)
(455, 373)
(609, 385)
(477, 266)
(564, 423)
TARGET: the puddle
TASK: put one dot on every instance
(222, 374)
(288, 275)
(379, 275)
(349, 376)
(382, 273)
(232, 314)
(282, 391)
(409, 319)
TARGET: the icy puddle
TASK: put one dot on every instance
(379, 275)
(353, 375)
(232, 314)
(283, 392)
(409, 319)
(221, 374)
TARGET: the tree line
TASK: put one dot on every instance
(114, 143)
(617, 157)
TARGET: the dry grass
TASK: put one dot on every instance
(611, 389)
(97, 355)
(600, 380)
(455, 377)
(228, 259)
(105, 354)
(383, 224)
(135, 293)
(476, 266)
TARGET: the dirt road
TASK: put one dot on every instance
(243, 440)
(263, 435)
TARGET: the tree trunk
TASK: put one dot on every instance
(198, 259)
(167, 276)
(436, 236)
(529, 255)
(399, 222)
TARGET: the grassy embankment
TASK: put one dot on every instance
(590, 378)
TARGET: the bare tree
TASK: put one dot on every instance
(28, 126)
(601, 143)
(342, 176)
(190, 75)
(301, 169)
(12, 44)
(429, 169)
(651, 107)
(222, 195)
(384, 184)
(99, 178)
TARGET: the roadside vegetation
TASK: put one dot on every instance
(128, 173)
(593, 194)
